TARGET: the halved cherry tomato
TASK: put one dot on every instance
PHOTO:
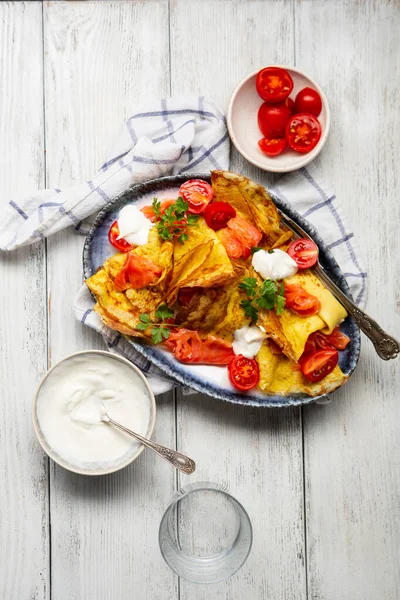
(273, 84)
(290, 104)
(318, 365)
(303, 132)
(197, 193)
(308, 101)
(188, 347)
(121, 245)
(300, 301)
(274, 347)
(304, 252)
(231, 243)
(217, 214)
(338, 339)
(272, 119)
(248, 235)
(186, 294)
(244, 373)
(272, 147)
(138, 272)
(335, 340)
(310, 345)
(149, 212)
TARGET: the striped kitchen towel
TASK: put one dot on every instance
(170, 136)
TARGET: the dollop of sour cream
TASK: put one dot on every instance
(133, 226)
(74, 399)
(248, 340)
(275, 265)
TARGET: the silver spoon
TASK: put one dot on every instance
(178, 460)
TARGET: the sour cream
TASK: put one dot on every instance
(73, 400)
(133, 226)
(275, 265)
(248, 341)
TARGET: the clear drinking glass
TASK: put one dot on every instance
(205, 534)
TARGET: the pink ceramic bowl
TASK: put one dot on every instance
(243, 127)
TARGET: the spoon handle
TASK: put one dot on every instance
(178, 460)
(386, 346)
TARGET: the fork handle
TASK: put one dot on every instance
(386, 346)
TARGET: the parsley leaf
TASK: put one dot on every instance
(249, 309)
(267, 296)
(156, 206)
(156, 335)
(249, 285)
(165, 332)
(255, 249)
(174, 221)
(144, 318)
(163, 312)
(142, 326)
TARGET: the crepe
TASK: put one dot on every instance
(280, 375)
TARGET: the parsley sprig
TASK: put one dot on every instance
(267, 296)
(159, 331)
(173, 222)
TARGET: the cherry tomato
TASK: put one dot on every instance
(300, 301)
(272, 119)
(138, 272)
(149, 212)
(272, 147)
(197, 193)
(217, 214)
(186, 294)
(231, 243)
(304, 252)
(244, 373)
(248, 235)
(290, 104)
(338, 339)
(308, 101)
(188, 347)
(318, 365)
(274, 84)
(121, 245)
(310, 345)
(303, 132)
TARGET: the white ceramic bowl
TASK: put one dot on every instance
(116, 465)
(245, 134)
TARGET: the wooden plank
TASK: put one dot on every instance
(352, 446)
(256, 453)
(101, 61)
(24, 551)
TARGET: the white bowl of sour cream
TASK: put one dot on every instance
(69, 405)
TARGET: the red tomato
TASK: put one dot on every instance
(272, 119)
(300, 301)
(308, 101)
(138, 272)
(274, 84)
(243, 372)
(217, 214)
(186, 294)
(121, 245)
(149, 212)
(248, 235)
(303, 132)
(272, 147)
(339, 339)
(290, 104)
(231, 243)
(304, 252)
(310, 345)
(321, 341)
(188, 347)
(197, 193)
(318, 365)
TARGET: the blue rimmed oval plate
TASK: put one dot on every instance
(211, 380)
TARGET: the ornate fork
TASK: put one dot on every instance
(386, 346)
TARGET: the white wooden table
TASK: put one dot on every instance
(321, 484)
